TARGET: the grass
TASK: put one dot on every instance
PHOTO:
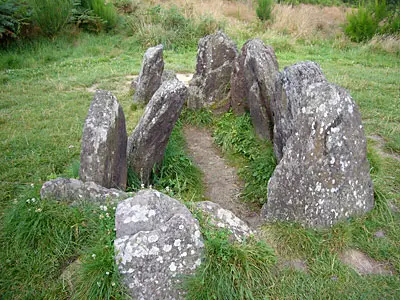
(46, 89)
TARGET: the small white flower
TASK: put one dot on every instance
(103, 207)
(101, 217)
(33, 200)
(28, 201)
(93, 256)
(112, 283)
(98, 283)
(38, 209)
(142, 186)
(167, 188)
(150, 186)
(114, 207)
(71, 146)
(32, 185)
(107, 215)
(107, 273)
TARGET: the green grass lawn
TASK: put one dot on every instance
(44, 100)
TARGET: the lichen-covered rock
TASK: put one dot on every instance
(104, 138)
(323, 176)
(253, 85)
(74, 192)
(239, 89)
(210, 84)
(150, 75)
(291, 86)
(158, 240)
(146, 145)
(224, 218)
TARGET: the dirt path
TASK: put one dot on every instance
(221, 181)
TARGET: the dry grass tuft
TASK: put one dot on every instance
(388, 43)
(308, 21)
(231, 11)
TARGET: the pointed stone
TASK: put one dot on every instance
(210, 84)
(146, 145)
(150, 75)
(104, 138)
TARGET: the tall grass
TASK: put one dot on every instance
(231, 270)
(51, 15)
(236, 136)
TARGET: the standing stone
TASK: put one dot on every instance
(291, 87)
(158, 241)
(103, 153)
(149, 79)
(323, 176)
(210, 84)
(146, 145)
(253, 85)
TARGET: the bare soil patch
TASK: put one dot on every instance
(220, 180)
(363, 264)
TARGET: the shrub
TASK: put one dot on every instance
(51, 15)
(362, 25)
(105, 11)
(264, 9)
(13, 14)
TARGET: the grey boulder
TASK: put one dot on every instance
(210, 84)
(150, 75)
(323, 176)
(158, 242)
(146, 145)
(74, 192)
(104, 138)
(225, 219)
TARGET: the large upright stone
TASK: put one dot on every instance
(323, 176)
(103, 153)
(210, 84)
(291, 87)
(253, 85)
(150, 75)
(158, 242)
(146, 145)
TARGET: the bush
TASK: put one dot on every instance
(51, 15)
(105, 11)
(13, 15)
(264, 9)
(372, 19)
(362, 25)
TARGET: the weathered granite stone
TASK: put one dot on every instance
(224, 218)
(168, 75)
(253, 85)
(74, 192)
(210, 84)
(323, 176)
(146, 145)
(103, 152)
(149, 79)
(158, 240)
(291, 86)
(239, 89)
